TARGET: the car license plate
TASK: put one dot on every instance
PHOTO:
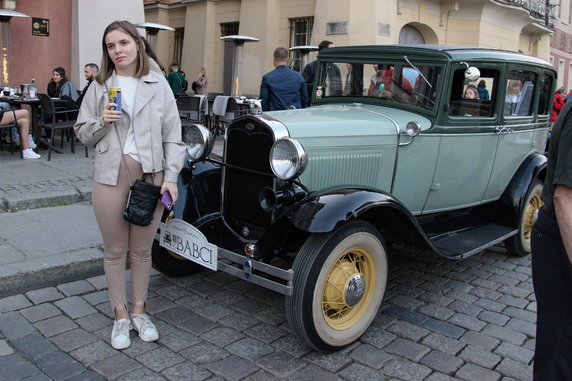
(185, 240)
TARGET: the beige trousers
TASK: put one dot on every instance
(121, 237)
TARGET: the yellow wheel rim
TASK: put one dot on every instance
(534, 203)
(348, 289)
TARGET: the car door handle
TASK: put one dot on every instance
(503, 130)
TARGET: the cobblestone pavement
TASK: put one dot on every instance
(440, 320)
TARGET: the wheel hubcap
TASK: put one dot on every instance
(348, 288)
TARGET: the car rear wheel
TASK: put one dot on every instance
(339, 282)
(169, 263)
(519, 244)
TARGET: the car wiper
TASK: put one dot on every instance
(418, 71)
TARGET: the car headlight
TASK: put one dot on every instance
(287, 159)
(197, 138)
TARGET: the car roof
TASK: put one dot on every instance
(433, 52)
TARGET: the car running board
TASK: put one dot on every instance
(466, 242)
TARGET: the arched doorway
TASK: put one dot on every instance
(410, 35)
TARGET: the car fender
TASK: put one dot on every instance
(513, 197)
(199, 192)
(325, 211)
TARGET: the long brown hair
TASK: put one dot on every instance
(107, 65)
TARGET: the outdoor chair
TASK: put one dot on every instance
(225, 109)
(57, 120)
(6, 131)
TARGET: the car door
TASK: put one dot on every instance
(520, 131)
(468, 142)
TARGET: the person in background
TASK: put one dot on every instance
(482, 89)
(551, 241)
(471, 92)
(557, 104)
(61, 87)
(282, 88)
(89, 71)
(380, 82)
(202, 83)
(24, 139)
(176, 80)
(143, 137)
(333, 73)
(568, 96)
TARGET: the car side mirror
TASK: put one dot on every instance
(472, 73)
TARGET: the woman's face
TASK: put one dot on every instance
(56, 77)
(471, 94)
(122, 50)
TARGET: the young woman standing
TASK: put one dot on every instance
(143, 137)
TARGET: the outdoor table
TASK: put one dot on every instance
(35, 112)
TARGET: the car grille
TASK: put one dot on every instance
(247, 152)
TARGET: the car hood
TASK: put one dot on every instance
(346, 120)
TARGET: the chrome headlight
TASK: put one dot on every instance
(197, 138)
(287, 159)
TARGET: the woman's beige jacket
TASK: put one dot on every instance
(156, 125)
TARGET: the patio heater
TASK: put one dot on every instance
(304, 51)
(238, 42)
(5, 43)
(152, 30)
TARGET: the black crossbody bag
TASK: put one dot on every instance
(142, 201)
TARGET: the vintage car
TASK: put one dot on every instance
(394, 150)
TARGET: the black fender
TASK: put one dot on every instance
(199, 192)
(325, 211)
(513, 197)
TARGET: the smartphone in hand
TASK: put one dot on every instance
(167, 200)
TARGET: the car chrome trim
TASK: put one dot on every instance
(236, 265)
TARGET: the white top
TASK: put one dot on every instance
(128, 86)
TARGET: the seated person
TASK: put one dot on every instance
(61, 87)
(23, 122)
(471, 92)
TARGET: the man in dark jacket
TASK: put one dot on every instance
(282, 88)
(333, 73)
(90, 72)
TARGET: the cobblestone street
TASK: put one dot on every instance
(440, 320)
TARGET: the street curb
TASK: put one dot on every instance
(12, 204)
(51, 276)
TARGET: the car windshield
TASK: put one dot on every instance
(394, 82)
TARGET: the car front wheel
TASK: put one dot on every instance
(339, 282)
(519, 244)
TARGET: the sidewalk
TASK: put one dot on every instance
(48, 233)
(41, 244)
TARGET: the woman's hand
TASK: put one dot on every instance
(110, 115)
(172, 188)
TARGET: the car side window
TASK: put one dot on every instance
(519, 93)
(473, 99)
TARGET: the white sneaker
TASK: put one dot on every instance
(29, 154)
(31, 142)
(120, 334)
(143, 325)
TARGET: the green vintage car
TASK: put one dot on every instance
(434, 147)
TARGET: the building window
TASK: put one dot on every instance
(300, 34)
(228, 28)
(178, 48)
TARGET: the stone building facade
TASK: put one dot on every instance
(519, 25)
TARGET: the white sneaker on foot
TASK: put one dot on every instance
(120, 334)
(31, 142)
(147, 330)
(29, 154)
